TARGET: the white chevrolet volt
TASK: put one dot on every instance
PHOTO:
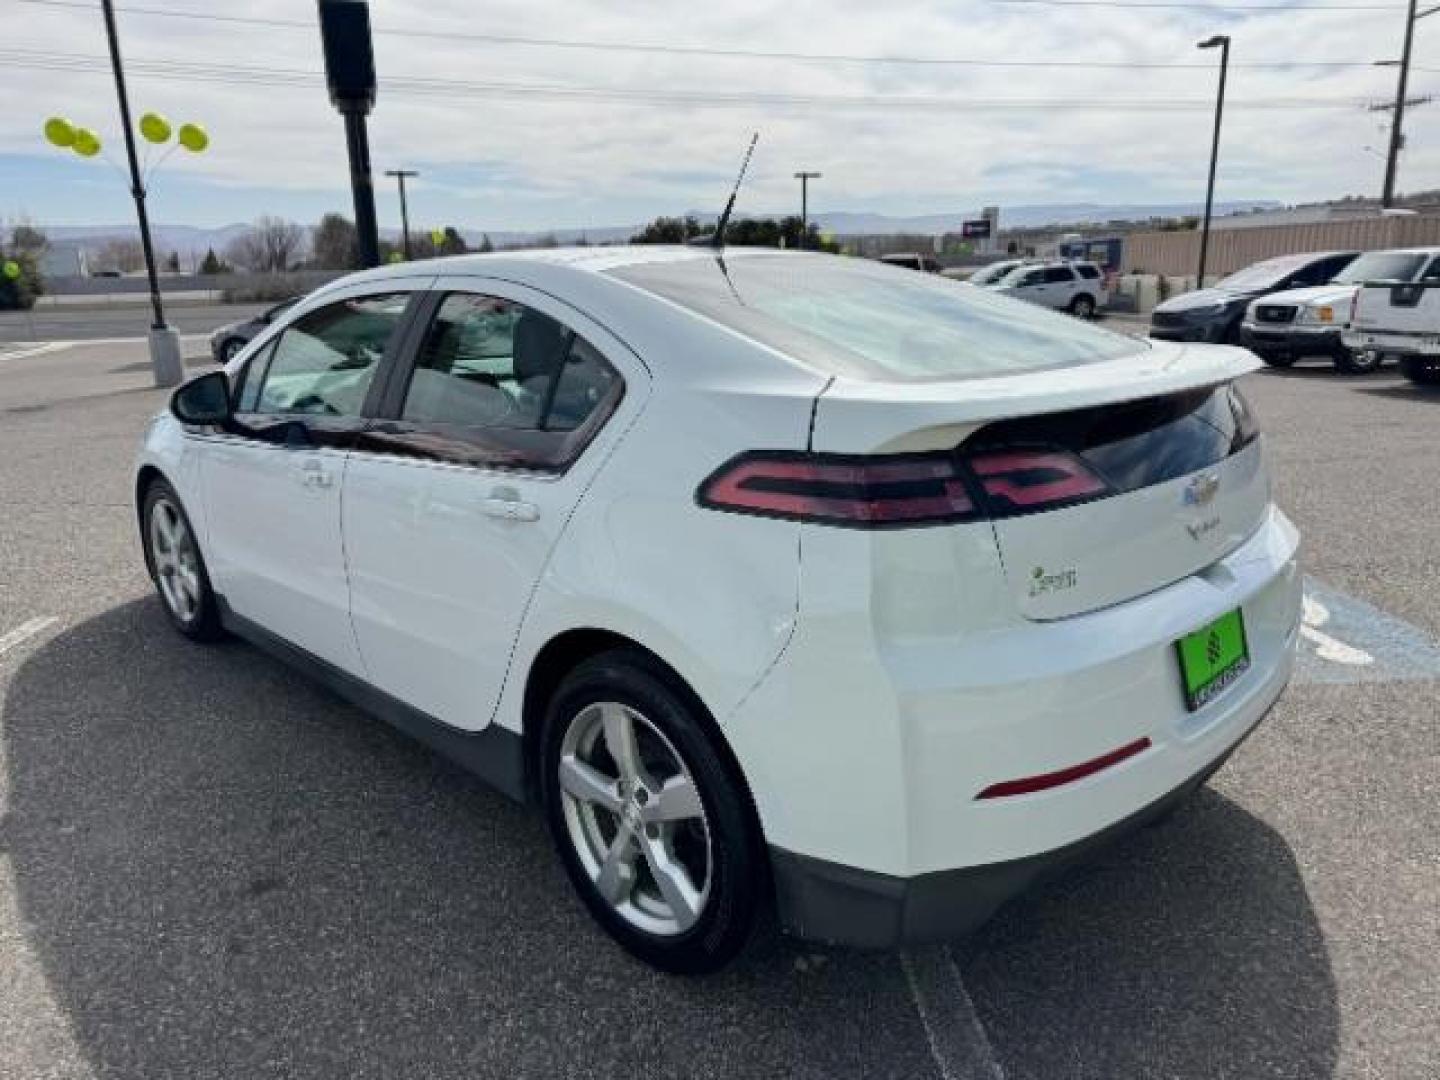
(770, 577)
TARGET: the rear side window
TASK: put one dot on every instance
(323, 363)
(1089, 272)
(486, 362)
(1058, 274)
(851, 318)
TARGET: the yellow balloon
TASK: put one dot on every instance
(437, 236)
(86, 143)
(60, 132)
(12, 269)
(193, 137)
(155, 128)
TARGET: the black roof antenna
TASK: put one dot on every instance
(718, 240)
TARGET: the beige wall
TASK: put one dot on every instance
(1232, 249)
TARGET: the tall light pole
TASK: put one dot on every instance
(805, 178)
(1397, 136)
(165, 364)
(1223, 42)
(401, 175)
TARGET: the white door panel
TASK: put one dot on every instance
(442, 556)
(275, 549)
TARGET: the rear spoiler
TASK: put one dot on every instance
(921, 413)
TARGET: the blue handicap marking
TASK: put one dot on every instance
(1344, 640)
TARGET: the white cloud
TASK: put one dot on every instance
(514, 161)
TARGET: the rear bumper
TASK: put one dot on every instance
(1293, 340)
(870, 746)
(829, 902)
(1395, 342)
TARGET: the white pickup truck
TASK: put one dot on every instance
(1402, 319)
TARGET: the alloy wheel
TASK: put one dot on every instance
(634, 816)
(177, 566)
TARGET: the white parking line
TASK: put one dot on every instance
(1315, 615)
(21, 352)
(24, 632)
(958, 1041)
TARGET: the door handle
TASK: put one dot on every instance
(510, 509)
(314, 474)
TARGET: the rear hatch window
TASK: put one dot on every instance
(858, 319)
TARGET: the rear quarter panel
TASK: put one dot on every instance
(712, 594)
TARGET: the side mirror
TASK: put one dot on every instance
(204, 400)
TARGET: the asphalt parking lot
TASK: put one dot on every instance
(209, 867)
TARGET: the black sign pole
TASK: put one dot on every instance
(350, 75)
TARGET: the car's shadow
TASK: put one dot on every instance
(224, 871)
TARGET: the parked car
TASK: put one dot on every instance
(1076, 287)
(1285, 326)
(771, 577)
(990, 275)
(1215, 314)
(1400, 319)
(912, 261)
(227, 341)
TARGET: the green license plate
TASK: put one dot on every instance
(1212, 658)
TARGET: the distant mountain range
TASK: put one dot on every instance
(189, 239)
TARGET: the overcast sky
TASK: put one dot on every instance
(901, 138)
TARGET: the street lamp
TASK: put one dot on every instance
(402, 175)
(1223, 42)
(805, 178)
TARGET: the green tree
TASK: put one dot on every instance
(454, 243)
(485, 245)
(20, 293)
(668, 230)
(212, 264)
(335, 243)
(172, 262)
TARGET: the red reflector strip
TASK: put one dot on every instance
(1030, 784)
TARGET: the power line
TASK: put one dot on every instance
(1229, 9)
(415, 86)
(731, 54)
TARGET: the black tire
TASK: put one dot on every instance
(1421, 370)
(737, 874)
(1358, 363)
(202, 623)
(1278, 360)
(231, 348)
(1083, 306)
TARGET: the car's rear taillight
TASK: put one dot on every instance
(1022, 481)
(833, 489)
(893, 490)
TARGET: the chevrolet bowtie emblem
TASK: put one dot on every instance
(1201, 490)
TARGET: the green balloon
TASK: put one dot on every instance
(193, 137)
(60, 132)
(86, 143)
(437, 236)
(12, 269)
(155, 128)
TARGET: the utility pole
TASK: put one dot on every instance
(1397, 135)
(401, 175)
(1223, 42)
(805, 178)
(165, 362)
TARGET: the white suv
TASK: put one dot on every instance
(1076, 287)
(763, 574)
